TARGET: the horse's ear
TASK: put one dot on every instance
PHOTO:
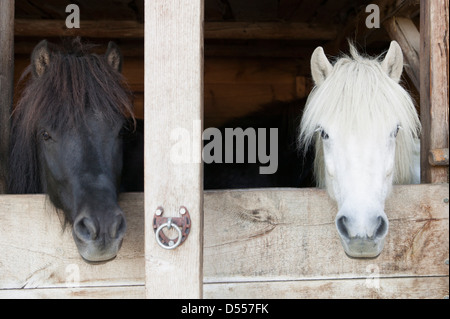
(393, 62)
(40, 58)
(320, 66)
(113, 56)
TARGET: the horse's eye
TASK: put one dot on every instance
(394, 133)
(46, 136)
(324, 135)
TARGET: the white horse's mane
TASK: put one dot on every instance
(359, 97)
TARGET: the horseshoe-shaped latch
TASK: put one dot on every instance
(182, 225)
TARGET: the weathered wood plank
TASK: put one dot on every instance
(120, 292)
(122, 29)
(268, 31)
(270, 240)
(438, 157)
(37, 253)
(174, 83)
(434, 81)
(6, 84)
(88, 28)
(291, 234)
(404, 31)
(368, 288)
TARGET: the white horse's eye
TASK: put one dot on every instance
(395, 132)
(323, 134)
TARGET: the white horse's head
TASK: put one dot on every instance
(364, 125)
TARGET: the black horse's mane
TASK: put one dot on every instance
(76, 83)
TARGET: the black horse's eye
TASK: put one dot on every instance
(45, 136)
(324, 135)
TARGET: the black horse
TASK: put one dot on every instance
(66, 141)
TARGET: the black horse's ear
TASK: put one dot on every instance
(40, 58)
(114, 57)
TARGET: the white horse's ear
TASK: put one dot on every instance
(320, 66)
(393, 62)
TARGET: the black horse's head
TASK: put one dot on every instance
(66, 141)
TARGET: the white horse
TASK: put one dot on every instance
(365, 128)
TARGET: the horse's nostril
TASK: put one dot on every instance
(382, 228)
(85, 229)
(342, 227)
(118, 227)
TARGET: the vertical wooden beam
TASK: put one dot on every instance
(406, 34)
(6, 83)
(173, 125)
(434, 72)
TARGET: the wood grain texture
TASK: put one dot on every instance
(291, 235)
(258, 244)
(434, 82)
(404, 31)
(37, 253)
(6, 84)
(123, 29)
(366, 288)
(174, 83)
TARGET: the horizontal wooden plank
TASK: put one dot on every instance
(287, 234)
(254, 240)
(268, 31)
(212, 30)
(36, 252)
(386, 288)
(128, 292)
(370, 287)
(109, 29)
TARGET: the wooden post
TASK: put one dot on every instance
(434, 55)
(406, 34)
(173, 125)
(6, 83)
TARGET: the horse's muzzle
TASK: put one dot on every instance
(99, 239)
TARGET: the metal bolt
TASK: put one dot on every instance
(446, 200)
(158, 211)
(446, 262)
(182, 210)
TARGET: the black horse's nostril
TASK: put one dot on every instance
(85, 229)
(342, 227)
(118, 226)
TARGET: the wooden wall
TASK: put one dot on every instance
(257, 244)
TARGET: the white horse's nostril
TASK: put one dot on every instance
(382, 228)
(342, 227)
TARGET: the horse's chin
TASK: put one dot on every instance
(98, 262)
(93, 253)
(363, 247)
(95, 258)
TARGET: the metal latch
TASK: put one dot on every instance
(182, 225)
